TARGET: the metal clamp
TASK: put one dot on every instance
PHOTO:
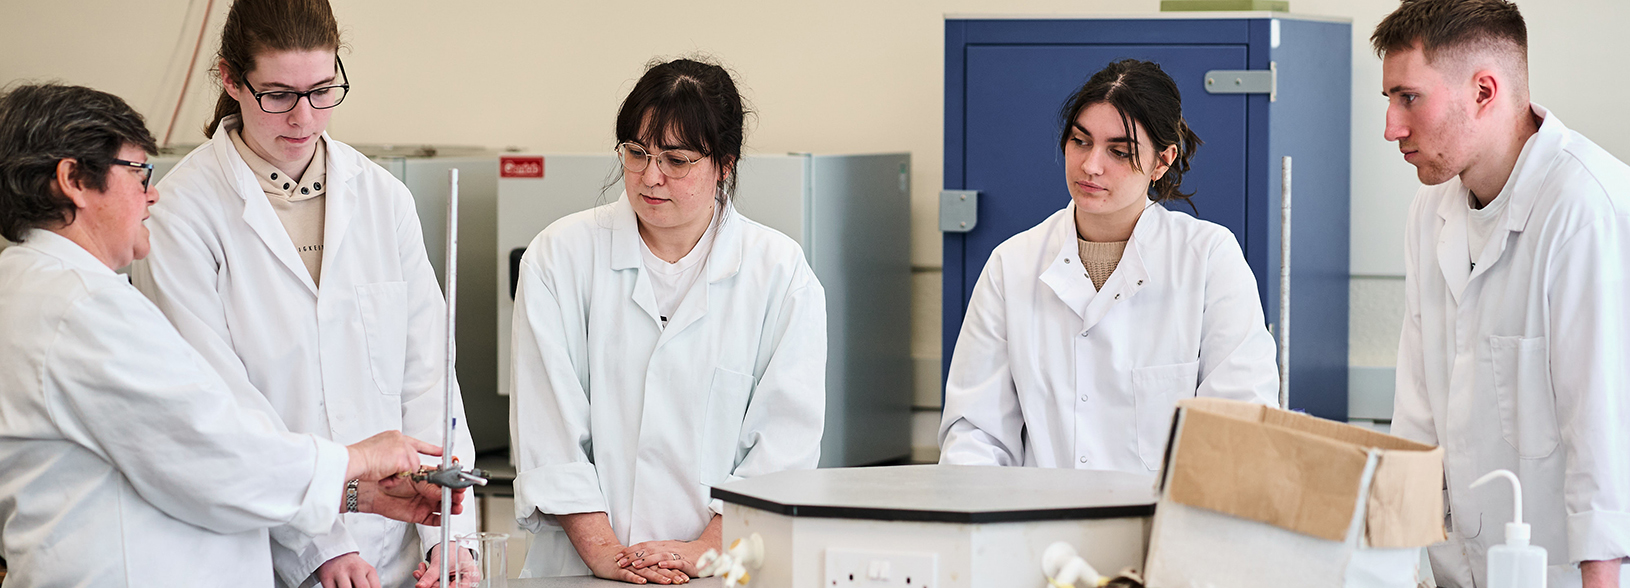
(1245, 81)
(450, 476)
(959, 210)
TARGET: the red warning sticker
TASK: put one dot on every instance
(520, 167)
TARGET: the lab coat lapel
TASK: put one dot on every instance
(723, 262)
(1452, 242)
(341, 202)
(625, 255)
(1523, 188)
(65, 250)
(1068, 278)
(257, 212)
(1130, 273)
(1065, 275)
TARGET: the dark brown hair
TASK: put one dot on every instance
(1143, 95)
(41, 125)
(254, 27)
(1440, 25)
(696, 102)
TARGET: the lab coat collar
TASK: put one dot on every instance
(1521, 191)
(344, 165)
(1452, 213)
(258, 213)
(625, 255)
(64, 249)
(1533, 165)
(723, 261)
(625, 235)
(1068, 278)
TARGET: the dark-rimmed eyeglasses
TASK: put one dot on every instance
(147, 171)
(281, 101)
(670, 163)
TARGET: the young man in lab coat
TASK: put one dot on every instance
(1517, 323)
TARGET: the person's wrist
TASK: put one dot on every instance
(353, 463)
(365, 497)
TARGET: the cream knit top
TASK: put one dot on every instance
(1100, 259)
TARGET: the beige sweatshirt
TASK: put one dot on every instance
(298, 202)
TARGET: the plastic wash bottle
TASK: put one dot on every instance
(1515, 564)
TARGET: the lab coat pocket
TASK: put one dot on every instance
(384, 325)
(726, 408)
(1522, 383)
(1155, 391)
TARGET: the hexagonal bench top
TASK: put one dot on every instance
(946, 493)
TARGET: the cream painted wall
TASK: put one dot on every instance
(833, 76)
(842, 75)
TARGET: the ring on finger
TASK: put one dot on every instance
(675, 556)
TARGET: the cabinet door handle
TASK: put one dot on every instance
(1245, 81)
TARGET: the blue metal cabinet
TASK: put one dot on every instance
(1006, 79)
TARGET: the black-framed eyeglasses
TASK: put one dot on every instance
(147, 171)
(635, 159)
(281, 101)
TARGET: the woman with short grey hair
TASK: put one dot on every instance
(127, 460)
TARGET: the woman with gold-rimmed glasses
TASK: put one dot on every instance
(286, 256)
(663, 343)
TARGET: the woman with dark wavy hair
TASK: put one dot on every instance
(1085, 331)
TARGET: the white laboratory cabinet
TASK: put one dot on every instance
(851, 215)
(424, 171)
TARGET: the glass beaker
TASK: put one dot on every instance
(491, 570)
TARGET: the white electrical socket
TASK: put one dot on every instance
(880, 569)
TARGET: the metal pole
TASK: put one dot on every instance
(451, 280)
(1284, 283)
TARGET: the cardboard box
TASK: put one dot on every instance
(1256, 496)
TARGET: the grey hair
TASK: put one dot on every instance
(43, 124)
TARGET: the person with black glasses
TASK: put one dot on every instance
(288, 257)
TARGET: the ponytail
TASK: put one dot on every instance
(225, 106)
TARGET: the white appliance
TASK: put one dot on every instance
(851, 215)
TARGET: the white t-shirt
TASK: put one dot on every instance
(1480, 223)
(671, 281)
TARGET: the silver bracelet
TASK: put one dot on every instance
(351, 496)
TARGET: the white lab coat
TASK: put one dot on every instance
(1049, 372)
(1522, 363)
(611, 412)
(365, 353)
(124, 459)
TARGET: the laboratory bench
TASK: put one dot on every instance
(593, 582)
